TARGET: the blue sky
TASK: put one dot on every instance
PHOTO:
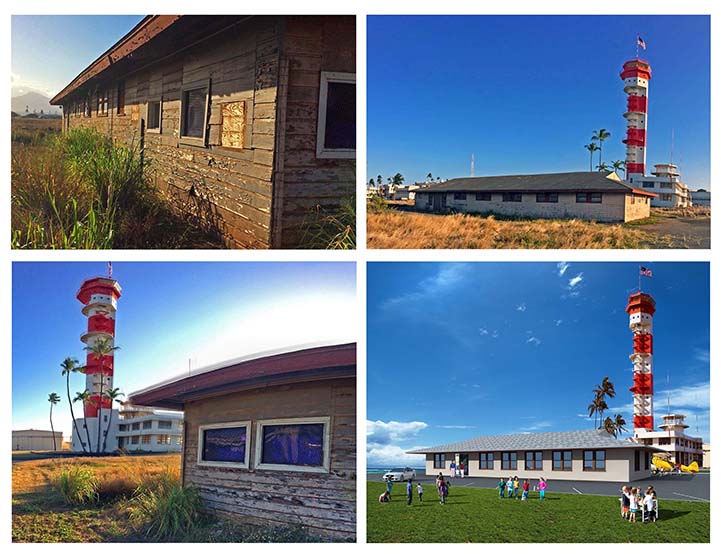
(48, 51)
(525, 93)
(169, 313)
(458, 350)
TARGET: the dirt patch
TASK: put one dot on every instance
(678, 233)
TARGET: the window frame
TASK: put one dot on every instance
(321, 152)
(594, 462)
(587, 197)
(120, 94)
(562, 467)
(102, 99)
(509, 460)
(224, 463)
(258, 453)
(483, 196)
(534, 461)
(547, 197)
(510, 197)
(190, 140)
(459, 196)
(488, 463)
(159, 129)
(439, 458)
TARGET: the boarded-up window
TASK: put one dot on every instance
(153, 121)
(232, 132)
(193, 112)
(121, 98)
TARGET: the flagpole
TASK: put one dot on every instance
(639, 278)
(638, 36)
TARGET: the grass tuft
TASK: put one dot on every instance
(78, 485)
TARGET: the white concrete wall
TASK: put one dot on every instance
(611, 209)
(92, 424)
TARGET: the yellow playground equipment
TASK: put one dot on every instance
(666, 466)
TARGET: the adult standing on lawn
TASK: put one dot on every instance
(542, 488)
(453, 469)
(409, 491)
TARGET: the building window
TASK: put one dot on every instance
(102, 103)
(483, 197)
(439, 460)
(121, 99)
(588, 197)
(666, 197)
(534, 460)
(155, 111)
(163, 439)
(647, 184)
(546, 198)
(509, 461)
(646, 460)
(86, 107)
(562, 461)
(485, 461)
(594, 461)
(145, 440)
(165, 424)
(301, 444)
(636, 460)
(459, 196)
(136, 426)
(232, 125)
(134, 440)
(148, 424)
(194, 112)
(223, 444)
(336, 137)
(513, 196)
(123, 427)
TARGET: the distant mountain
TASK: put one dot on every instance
(33, 102)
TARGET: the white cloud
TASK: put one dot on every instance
(694, 396)
(392, 455)
(575, 281)
(447, 276)
(483, 331)
(534, 340)
(521, 306)
(392, 432)
(702, 355)
(540, 425)
(562, 268)
(457, 426)
(558, 322)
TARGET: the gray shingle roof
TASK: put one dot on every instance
(558, 182)
(583, 439)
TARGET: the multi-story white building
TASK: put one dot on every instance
(148, 429)
(681, 448)
(666, 182)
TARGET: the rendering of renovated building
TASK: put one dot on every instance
(597, 196)
(681, 448)
(248, 122)
(585, 455)
(271, 439)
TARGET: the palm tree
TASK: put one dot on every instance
(601, 135)
(70, 365)
(430, 177)
(609, 425)
(372, 182)
(53, 399)
(620, 423)
(597, 407)
(592, 148)
(605, 389)
(84, 398)
(112, 394)
(603, 167)
(379, 179)
(398, 179)
(100, 349)
(618, 165)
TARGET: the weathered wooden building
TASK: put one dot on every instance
(249, 121)
(272, 439)
(597, 196)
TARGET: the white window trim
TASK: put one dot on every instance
(159, 129)
(187, 139)
(320, 151)
(220, 463)
(325, 468)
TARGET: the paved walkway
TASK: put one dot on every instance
(691, 487)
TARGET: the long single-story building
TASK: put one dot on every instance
(36, 440)
(248, 121)
(569, 455)
(596, 196)
(271, 439)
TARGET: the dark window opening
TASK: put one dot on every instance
(340, 121)
(193, 112)
(293, 444)
(459, 196)
(226, 444)
(121, 98)
(153, 121)
(513, 196)
(546, 198)
(483, 197)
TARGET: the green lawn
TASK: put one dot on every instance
(478, 515)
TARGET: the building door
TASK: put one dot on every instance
(463, 463)
(437, 202)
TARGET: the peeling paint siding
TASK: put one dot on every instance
(325, 503)
(312, 45)
(241, 64)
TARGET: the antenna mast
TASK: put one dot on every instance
(473, 165)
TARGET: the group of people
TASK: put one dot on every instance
(442, 485)
(635, 501)
(509, 488)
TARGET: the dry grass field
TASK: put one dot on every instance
(400, 228)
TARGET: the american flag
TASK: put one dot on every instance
(640, 42)
(645, 272)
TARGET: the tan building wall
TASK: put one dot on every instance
(323, 502)
(620, 464)
(613, 206)
(637, 207)
(36, 440)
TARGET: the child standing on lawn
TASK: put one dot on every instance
(409, 491)
(501, 489)
(444, 491)
(649, 505)
(542, 488)
(515, 487)
(625, 501)
(633, 505)
(389, 488)
(524, 495)
(420, 492)
(509, 487)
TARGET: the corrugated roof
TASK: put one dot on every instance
(557, 182)
(582, 439)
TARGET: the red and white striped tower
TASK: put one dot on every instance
(636, 74)
(99, 297)
(640, 310)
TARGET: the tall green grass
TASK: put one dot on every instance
(78, 485)
(334, 229)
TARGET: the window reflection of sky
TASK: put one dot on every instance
(293, 444)
(224, 445)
